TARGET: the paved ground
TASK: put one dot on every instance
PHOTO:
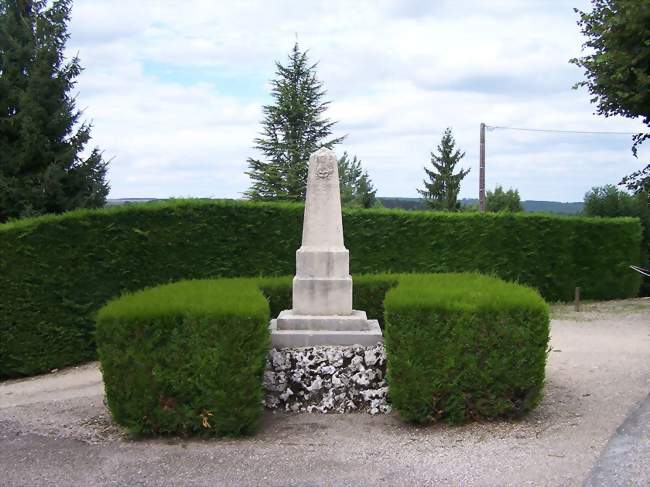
(592, 427)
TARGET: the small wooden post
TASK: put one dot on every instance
(577, 299)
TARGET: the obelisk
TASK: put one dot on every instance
(322, 311)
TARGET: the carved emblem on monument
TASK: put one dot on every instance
(325, 168)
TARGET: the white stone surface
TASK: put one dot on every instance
(323, 226)
(322, 285)
(322, 311)
(322, 296)
(310, 338)
(357, 321)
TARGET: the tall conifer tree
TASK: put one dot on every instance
(441, 190)
(355, 183)
(41, 137)
(293, 128)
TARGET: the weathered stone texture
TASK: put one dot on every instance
(327, 379)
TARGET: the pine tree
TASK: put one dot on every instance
(441, 191)
(293, 128)
(41, 139)
(355, 184)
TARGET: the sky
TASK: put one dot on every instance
(175, 91)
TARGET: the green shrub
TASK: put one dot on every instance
(369, 291)
(459, 346)
(56, 271)
(464, 346)
(278, 292)
(185, 358)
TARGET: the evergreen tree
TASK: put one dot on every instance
(41, 139)
(366, 194)
(293, 128)
(500, 200)
(441, 190)
(355, 184)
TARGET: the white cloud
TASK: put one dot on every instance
(397, 72)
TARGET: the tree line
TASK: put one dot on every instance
(46, 166)
(294, 126)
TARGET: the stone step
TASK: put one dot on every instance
(310, 338)
(289, 320)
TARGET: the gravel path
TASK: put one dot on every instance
(55, 430)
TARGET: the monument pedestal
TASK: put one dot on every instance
(291, 331)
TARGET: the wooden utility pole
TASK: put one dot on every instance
(481, 176)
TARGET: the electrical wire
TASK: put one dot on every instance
(557, 131)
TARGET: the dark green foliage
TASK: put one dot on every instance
(42, 169)
(441, 190)
(500, 200)
(355, 184)
(188, 357)
(57, 270)
(617, 66)
(551, 253)
(278, 291)
(464, 346)
(185, 358)
(368, 293)
(294, 128)
(609, 201)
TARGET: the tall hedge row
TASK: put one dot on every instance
(56, 271)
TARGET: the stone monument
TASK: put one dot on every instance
(322, 311)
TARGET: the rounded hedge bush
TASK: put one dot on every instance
(188, 357)
(464, 346)
(185, 358)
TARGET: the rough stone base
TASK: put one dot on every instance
(327, 379)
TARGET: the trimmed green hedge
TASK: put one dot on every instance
(56, 271)
(464, 346)
(459, 347)
(185, 358)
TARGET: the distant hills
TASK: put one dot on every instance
(418, 204)
(126, 201)
(572, 208)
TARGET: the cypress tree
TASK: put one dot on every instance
(42, 169)
(293, 128)
(441, 190)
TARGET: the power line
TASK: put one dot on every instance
(481, 184)
(557, 131)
